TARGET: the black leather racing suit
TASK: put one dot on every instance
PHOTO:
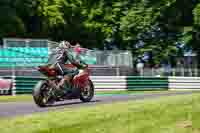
(66, 56)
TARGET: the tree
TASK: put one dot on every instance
(11, 23)
(144, 26)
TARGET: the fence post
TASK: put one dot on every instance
(13, 91)
(191, 72)
(142, 72)
(117, 71)
(196, 72)
(182, 71)
(173, 72)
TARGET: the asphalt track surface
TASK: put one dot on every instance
(24, 108)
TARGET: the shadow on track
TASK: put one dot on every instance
(71, 103)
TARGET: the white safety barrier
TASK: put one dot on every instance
(109, 82)
(184, 82)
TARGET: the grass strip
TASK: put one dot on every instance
(172, 114)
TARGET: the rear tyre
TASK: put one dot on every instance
(39, 94)
(88, 93)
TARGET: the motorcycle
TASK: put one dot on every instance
(46, 93)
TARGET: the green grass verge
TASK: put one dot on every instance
(173, 114)
(18, 98)
(28, 98)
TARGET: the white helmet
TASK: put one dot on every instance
(64, 44)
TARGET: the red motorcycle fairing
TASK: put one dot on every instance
(81, 80)
(50, 72)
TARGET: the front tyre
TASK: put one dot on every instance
(39, 94)
(87, 93)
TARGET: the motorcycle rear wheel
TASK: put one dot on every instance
(88, 93)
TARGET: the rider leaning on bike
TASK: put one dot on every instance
(63, 57)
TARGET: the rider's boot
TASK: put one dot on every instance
(60, 91)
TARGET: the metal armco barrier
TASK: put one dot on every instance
(184, 83)
(24, 85)
(146, 83)
(129, 82)
(109, 82)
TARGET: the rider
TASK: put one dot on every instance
(68, 73)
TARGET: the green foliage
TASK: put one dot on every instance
(92, 23)
(196, 13)
(11, 24)
(50, 11)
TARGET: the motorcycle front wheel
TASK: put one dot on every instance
(40, 94)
